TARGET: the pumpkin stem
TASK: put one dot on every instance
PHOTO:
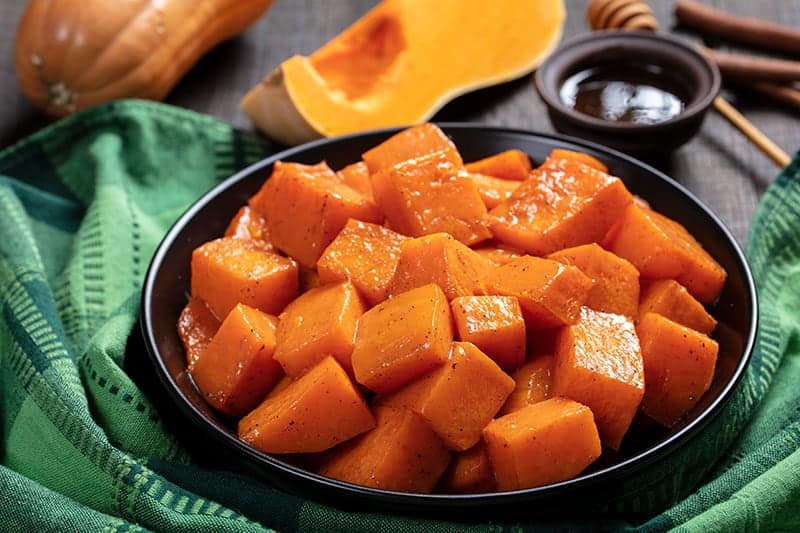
(62, 96)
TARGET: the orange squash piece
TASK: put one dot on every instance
(402, 338)
(550, 293)
(586, 159)
(494, 324)
(439, 259)
(458, 399)
(237, 369)
(598, 362)
(319, 323)
(250, 226)
(660, 248)
(533, 383)
(370, 272)
(402, 453)
(356, 176)
(228, 271)
(512, 165)
(543, 443)
(564, 203)
(306, 207)
(671, 299)
(469, 472)
(678, 367)
(431, 194)
(313, 413)
(196, 327)
(616, 281)
(493, 191)
(499, 254)
(411, 143)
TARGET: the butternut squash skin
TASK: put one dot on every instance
(73, 54)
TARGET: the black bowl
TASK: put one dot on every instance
(678, 63)
(167, 286)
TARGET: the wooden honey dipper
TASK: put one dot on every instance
(637, 15)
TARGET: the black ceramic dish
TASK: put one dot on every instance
(680, 64)
(167, 285)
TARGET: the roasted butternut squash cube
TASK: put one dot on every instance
(550, 293)
(250, 226)
(459, 398)
(678, 367)
(196, 327)
(237, 369)
(499, 254)
(671, 300)
(598, 362)
(305, 208)
(543, 443)
(616, 281)
(493, 191)
(229, 271)
(403, 338)
(356, 176)
(431, 194)
(315, 412)
(469, 472)
(319, 323)
(402, 453)
(660, 248)
(564, 203)
(533, 383)
(411, 143)
(509, 165)
(586, 159)
(442, 260)
(364, 253)
(494, 324)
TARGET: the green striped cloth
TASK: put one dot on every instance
(87, 442)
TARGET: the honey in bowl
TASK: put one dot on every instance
(639, 94)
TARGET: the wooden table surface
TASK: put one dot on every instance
(719, 165)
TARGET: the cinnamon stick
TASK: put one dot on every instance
(749, 67)
(782, 93)
(765, 34)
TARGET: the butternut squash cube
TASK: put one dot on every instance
(319, 323)
(411, 143)
(196, 327)
(250, 226)
(533, 383)
(493, 191)
(660, 248)
(458, 399)
(509, 165)
(580, 157)
(494, 324)
(439, 259)
(678, 367)
(564, 203)
(403, 338)
(370, 272)
(598, 362)
(229, 271)
(616, 281)
(237, 369)
(671, 300)
(306, 207)
(402, 453)
(469, 472)
(315, 412)
(431, 194)
(499, 254)
(543, 443)
(356, 176)
(551, 294)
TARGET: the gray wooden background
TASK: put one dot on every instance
(719, 165)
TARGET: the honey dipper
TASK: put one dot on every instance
(637, 15)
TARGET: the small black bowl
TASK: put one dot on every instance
(679, 64)
(166, 288)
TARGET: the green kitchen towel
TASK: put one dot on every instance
(88, 442)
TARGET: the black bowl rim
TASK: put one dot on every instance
(422, 501)
(698, 106)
